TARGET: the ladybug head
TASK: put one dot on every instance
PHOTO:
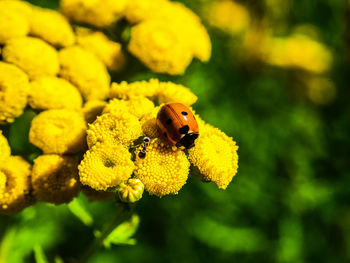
(188, 140)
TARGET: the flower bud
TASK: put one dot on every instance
(131, 191)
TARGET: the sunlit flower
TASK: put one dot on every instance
(85, 71)
(164, 169)
(108, 51)
(5, 149)
(138, 106)
(58, 131)
(320, 90)
(105, 166)
(53, 93)
(55, 178)
(122, 128)
(51, 26)
(228, 16)
(153, 89)
(14, 88)
(299, 51)
(20, 7)
(33, 55)
(12, 25)
(149, 124)
(93, 12)
(15, 195)
(160, 47)
(131, 191)
(215, 155)
(167, 36)
(92, 109)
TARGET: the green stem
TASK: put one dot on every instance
(98, 242)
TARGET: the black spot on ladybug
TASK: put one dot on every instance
(184, 129)
(168, 121)
(165, 135)
(184, 113)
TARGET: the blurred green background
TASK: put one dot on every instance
(289, 201)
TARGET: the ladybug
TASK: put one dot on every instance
(177, 125)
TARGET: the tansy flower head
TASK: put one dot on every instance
(33, 55)
(52, 27)
(105, 166)
(14, 88)
(5, 149)
(215, 155)
(121, 128)
(160, 47)
(149, 124)
(138, 106)
(140, 10)
(55, 178)
(153, 89)
(93, 12)
(53, 93)
(58, 131)
(92, 109)
(124, 90)
(131, 191)
(164, 169)
(85, 71)
(108, 51)
(20, 7)
(15, 195)
(12, 25)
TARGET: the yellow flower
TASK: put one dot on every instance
(94, 195)
(228, 16)
(85, 71)
(171, 92)
(121, 128)
(299, 51)
(153, 89)
(20, 7)
(320, 90)
(14, 88)
(15, 193)
(52, 27)
(108, 51)
(33, 55)
(167, 37)
(92, 109)
(138, 106)
(164, 169)
(131, 191)
(215, 155)
(105, 166)
(93, 12)
(12, 25)
(58, 131)
(55, 178)
(53, 93)
(5, 149)
(149, 124)
(126, 90)
(160, 47)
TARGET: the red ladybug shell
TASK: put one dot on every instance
(177, 125)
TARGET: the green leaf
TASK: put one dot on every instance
(80, 211)
(39, 255)
(122, 234)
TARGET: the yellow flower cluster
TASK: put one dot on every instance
(61, 71)
(167, 35)
(164, 169)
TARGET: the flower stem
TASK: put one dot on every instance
(98, 241)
